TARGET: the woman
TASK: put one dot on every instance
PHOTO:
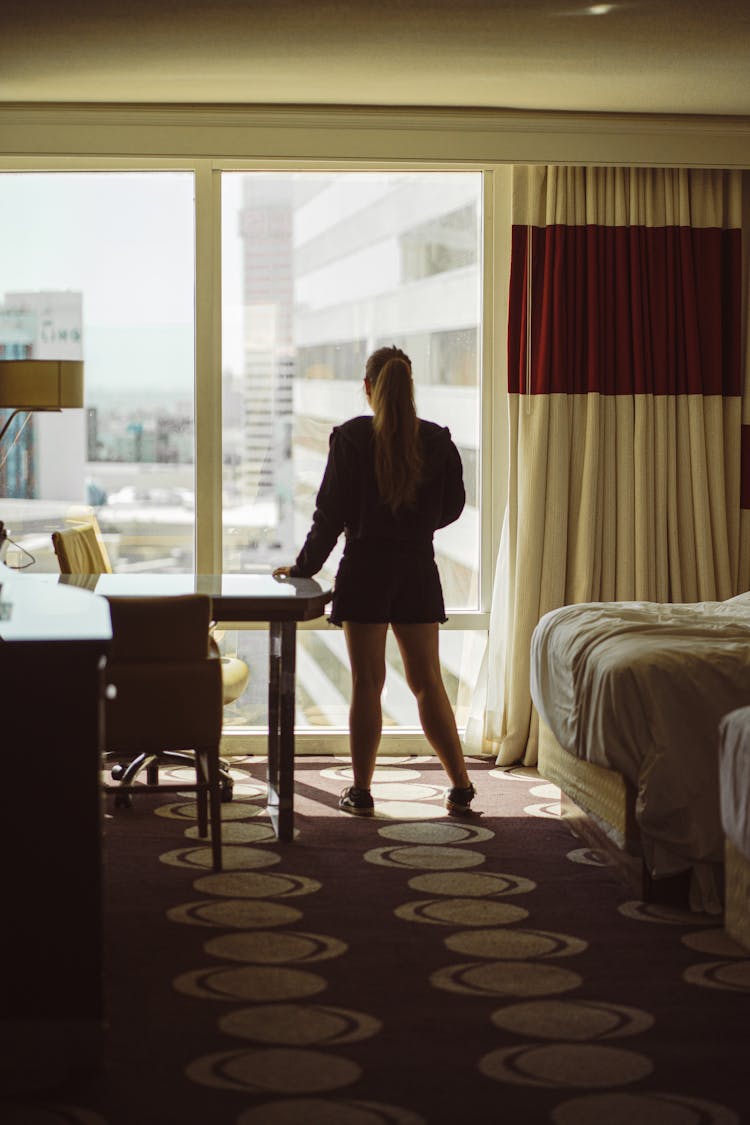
(390, 481)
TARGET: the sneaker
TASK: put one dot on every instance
(357, 801)
(459, 800)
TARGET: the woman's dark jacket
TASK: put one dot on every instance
(348, 497)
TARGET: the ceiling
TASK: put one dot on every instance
(634, 56)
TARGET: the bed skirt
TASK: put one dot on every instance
(599, 806)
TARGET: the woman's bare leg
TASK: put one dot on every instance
(420, 653)
(366, 645)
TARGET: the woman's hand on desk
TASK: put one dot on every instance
(282, 572)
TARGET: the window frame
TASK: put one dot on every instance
(495, 238)
(495, 241)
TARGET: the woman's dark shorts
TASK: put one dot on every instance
(387, 581)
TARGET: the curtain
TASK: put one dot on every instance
(625, 410)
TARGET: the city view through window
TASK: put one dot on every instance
(318, 270)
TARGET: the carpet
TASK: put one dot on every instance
(405, 969)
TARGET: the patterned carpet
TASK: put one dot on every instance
(411, 968)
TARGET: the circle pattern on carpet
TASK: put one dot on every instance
(645, 1109)
(435, 833)
(667, 915)
(381, 774)
(549, 808)
(514, 773)
(547, 790)
(408, 810)
(233, 858)
(505, 978)
(237, 913)
(590, 857)
(241, 832)
(299, 1025)
(273, 948)
(514, 944)
(309, 1111)
(732, 976)
(572, 1019)
(563, 1064)
(252, 982)
(461, 912)
(427, 856)
(404, 791)
(240, 884)
(282, 1070)
(230, 810)
(716, 943)
(478, 885)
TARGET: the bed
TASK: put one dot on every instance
(630, 696)
(734, 800)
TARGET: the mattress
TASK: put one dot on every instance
(734, 777)
(640, 688)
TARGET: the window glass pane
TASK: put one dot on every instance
(100, 266)
(319, 270)
(323, 679)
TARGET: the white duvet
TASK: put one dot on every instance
(640, 687)
(734, 778)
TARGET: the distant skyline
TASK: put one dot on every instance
(125, 240)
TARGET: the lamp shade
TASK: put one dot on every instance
(41, 384)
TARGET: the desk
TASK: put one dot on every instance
(243, 597)
(52, 657)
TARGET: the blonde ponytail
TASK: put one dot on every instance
(398, 453)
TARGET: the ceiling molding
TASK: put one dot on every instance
(412, 134)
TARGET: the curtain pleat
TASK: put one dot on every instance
(625, 419)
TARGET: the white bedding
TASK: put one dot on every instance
(734, 778)
(640, 687)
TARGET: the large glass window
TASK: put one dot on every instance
(101, 266)
(319, 270)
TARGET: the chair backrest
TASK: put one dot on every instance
(155, 629)
(81, 550)
(168, 692)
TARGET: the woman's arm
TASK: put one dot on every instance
(328, 518)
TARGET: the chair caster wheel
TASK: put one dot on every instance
(123, 801)
(117, 771)
(227, 791)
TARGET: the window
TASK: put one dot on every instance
(318, 271)
(100, 266)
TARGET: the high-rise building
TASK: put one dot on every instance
(268, 282)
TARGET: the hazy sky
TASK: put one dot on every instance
(126, 241)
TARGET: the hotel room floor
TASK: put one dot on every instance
(407, 968)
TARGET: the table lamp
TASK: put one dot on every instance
(39, 384)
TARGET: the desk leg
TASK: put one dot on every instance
(281, 713)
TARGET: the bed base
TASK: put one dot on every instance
(737, 889)
(598, 806)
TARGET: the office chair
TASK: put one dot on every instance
(81, 550)
(164, 698)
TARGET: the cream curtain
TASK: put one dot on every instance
(625, 410)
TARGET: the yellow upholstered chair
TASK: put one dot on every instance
(165, 698)
(81, 550)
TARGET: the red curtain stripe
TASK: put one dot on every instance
(627, 310)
